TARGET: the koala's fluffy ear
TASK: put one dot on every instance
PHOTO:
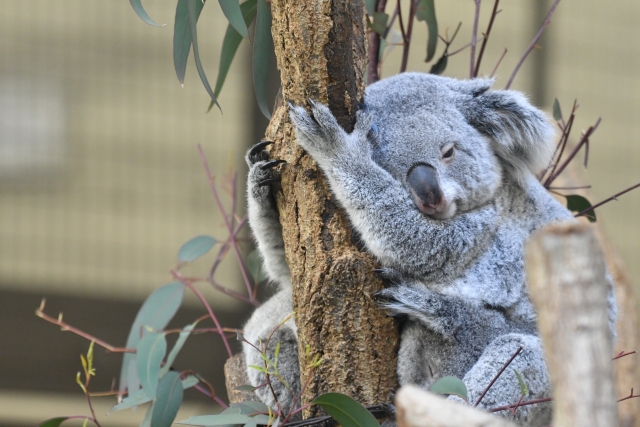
(522, 134)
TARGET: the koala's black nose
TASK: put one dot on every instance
(425, 188)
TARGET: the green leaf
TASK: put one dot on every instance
(255, 266)
(168, 400)
(231, 9)
(439, 67)
(216, 420)
(379, 24)
(195, 248)
(53, 422)
(450, 385)
(246, 387)
(150, 352)
(251, 407)
(346, 411)
(177, 347)
(524, 389)
(427, 12)
(182, 37)
(193, 18)
(557, 112)
(230, 44)
(262, 51)
(140, 397)
(370, 6)
(577, 203)
(157, 310)
(137, 6)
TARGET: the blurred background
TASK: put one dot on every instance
(101, 181)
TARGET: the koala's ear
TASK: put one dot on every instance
(523, 136)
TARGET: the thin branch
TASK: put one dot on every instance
(623, 354)
(226, 220)
(562, 143)
(631, 396)
(494, 13)
(66, 327)
(193, 289)
(374, 48)
(529, 402)
(546, 22)
(474, 35)
(493, 73)
(614, 197)
(498, 376)
(458, 50)
(579, 187)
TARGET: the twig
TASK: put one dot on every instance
(66, 327)
(623, 354)
(486, 37)
(193, 289)
(562, 143)
(474, 35)
(614, 197)
(529, 402)
(374, 48)
(631, 396)
(579, 187)
(493, 73)
(546, 22)
(407, 36)
(243, 270)
(497, 376)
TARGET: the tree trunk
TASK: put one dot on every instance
(321, 52)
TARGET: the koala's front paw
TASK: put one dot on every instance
(262, 173)
(404, 298)
(320, 134)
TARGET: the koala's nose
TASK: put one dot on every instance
(425, 188)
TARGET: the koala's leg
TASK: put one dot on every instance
(257, 331)
(530, 364)
(263, 214)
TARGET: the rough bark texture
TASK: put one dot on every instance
(321, 52)
(235, 375)
(418, 408)
(566, 270)
(626, 371)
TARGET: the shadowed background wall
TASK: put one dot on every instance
(100, 179)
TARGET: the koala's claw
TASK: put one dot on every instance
(268, 181)
(272, 164)
(257, 153)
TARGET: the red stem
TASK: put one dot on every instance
(497, 376)
(486, 37)
(546, 22)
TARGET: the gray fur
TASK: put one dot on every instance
(457, 273)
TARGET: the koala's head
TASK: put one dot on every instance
(451, 142)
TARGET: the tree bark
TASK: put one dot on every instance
(320, 47)
(566, 270)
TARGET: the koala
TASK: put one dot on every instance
(438, 178)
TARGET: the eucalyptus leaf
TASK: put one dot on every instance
(168, 400)
(146, 422)
(182, 37)
(370, 5)
(379, 24)
(439, 67)
(195, 248)
(450, 385)
(346, 411)
(426, 11)
(246, 387)
(251, 407)
(193, 17)
(53, 422)
(524, 389)
(150, 352)
(231, 9)
(262, 52)
(216, 420)
(137, 6)
(140, 397)
(557, 112)
(255, 266)
(577, 203)
(157, 310)
(230, 44)
(182, 338)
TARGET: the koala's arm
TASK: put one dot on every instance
(382, 210)
(263, 215)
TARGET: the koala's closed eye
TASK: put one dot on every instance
(448, 152)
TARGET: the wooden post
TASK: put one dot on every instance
(566, 271)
